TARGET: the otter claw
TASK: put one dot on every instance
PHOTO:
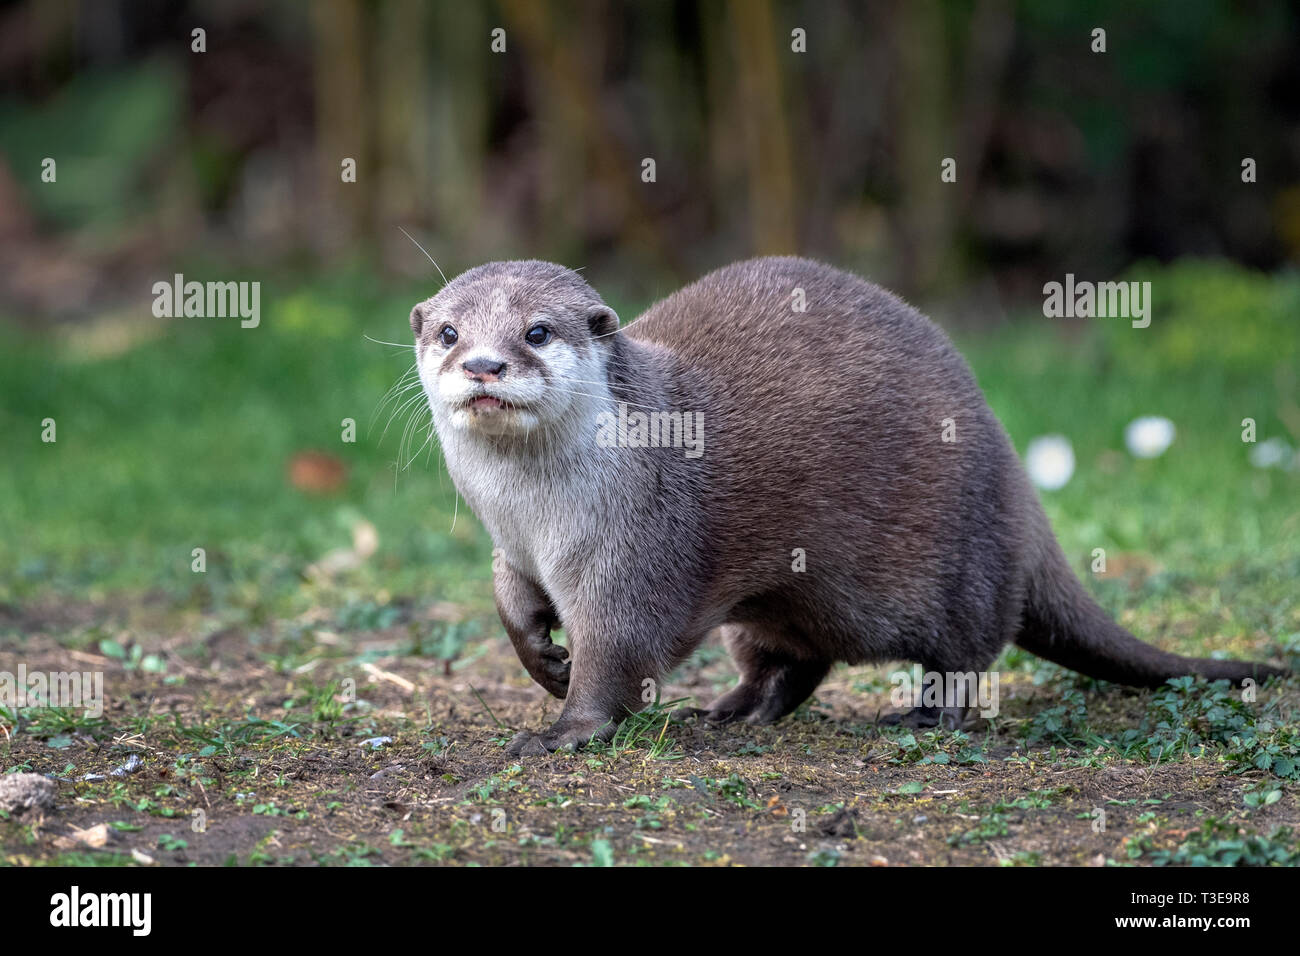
(528, 744)
(549, 666)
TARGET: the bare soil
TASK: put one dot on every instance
(254, 750)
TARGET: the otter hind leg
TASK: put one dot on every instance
(950, 693)
(924, 718)
(772, 683)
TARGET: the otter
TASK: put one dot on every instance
(850, 495)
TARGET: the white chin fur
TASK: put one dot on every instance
(516, 421)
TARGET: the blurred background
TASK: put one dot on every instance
(816, 128)
(1066, 159)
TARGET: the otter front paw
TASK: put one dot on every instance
(560, 737)
(548, 664)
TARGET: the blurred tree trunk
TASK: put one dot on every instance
(993, 28)
(723, 131)
(338, 68)
(403, 135)
(574, 94)
(565, 132)
(767, 134)
(925, 213)
(458, 125)
(53, 39)
(929, 130)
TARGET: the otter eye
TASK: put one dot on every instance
(538, 335)
(447, 336)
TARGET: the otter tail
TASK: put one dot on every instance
(1062, 623)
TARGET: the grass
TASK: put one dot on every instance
(182, 441)
(261, 696)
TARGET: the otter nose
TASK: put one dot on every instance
(483, 369)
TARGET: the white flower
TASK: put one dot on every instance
(1274, 453)
(1149, 437)
(1050, 461)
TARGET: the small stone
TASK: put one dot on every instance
(97, 836)
(133, 763)
(841, 824)
(20, 792)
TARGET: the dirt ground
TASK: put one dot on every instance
(254, 748)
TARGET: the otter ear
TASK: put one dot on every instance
(418, 315)
(601, 320)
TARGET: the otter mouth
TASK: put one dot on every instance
(488, 403)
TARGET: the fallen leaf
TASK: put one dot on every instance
(317, 472)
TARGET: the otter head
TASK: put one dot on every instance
(509, 348)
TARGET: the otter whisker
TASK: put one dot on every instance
(399, 388)
(612, 387)
(432, 434)
(405, 444)
(400, 345)
(559, 275)
(407, 405)
(620, 329)
(429, 438)
(426, 254)
(611, 396)
(396, 393)
(400, 398)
